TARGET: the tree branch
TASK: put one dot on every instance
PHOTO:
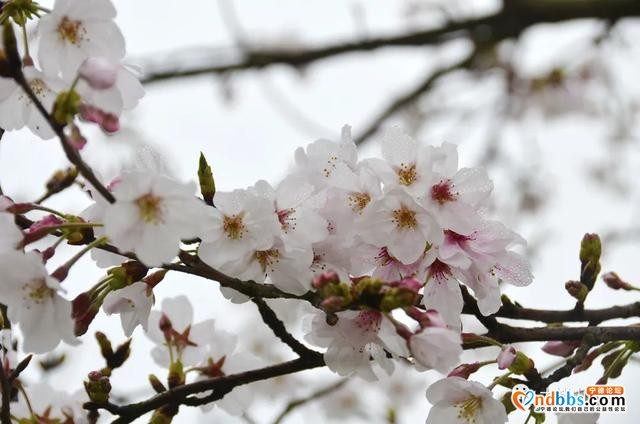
(409, 97)
(511, 21)
(271, 319)
(219, 385)
(71, 153)
(5, 412)
(313, 396)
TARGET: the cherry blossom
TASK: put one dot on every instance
(436, 347)
(354, 340)
(242, 222)
(152, 213)
(401, 225)
(133, 303)
(456, 400)
(18, 111)
(76, 30)
(34, 302)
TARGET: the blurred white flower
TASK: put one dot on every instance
(456, 400)
(133, 303)
(33, 301)
(436, 348)
(76, 30)
(18, 111)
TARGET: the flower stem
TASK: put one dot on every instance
(27, 401)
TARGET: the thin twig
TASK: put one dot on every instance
(409, 97)
(273, 322)
(313, 396)
(5, 412)
(71, 153)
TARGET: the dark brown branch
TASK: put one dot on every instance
(565, 371)
(271, 319)
(515, 18)
(594, 316)
(219, 385)
(508, 334)
(313, 396)
(71, 153)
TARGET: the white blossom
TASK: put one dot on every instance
(133, 303)
(152, 213)
(76, 30)
(33, 301)
(459, 401)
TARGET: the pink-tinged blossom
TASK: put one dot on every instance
(354, 340)
(301, 224)
(18, 111)
(442, 293)
(454, 201)
(124, 94)
(152, 213)
(133, 303)
(76, 30)
(459, 401)
(398, 223)
(34, 303)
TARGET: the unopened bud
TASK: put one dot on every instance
(156, 384)
(106, 350)
(99, 73)
(61, 180)
(83, 311)
(324, 279)
(590, 251)
(120, 355)
(207, 183)
(559, 348)
(465, 370)
(612, 280)
(521, 364)
(506, 357)
(97, 387)
(154, 279)
(577, 290)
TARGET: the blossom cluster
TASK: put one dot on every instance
(388, 245)
(80, 51)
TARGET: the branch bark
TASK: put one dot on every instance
(511, 21)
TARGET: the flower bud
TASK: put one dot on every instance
(83, 311)
(66, 107)
(176, 375)
(577, 290)
(506, 357)
(156, 384)
(207, 183)
(521, 364)
(465, 370)
(322, 280)
(590, 251)
(61, 180)
(613, 281)
(120, 355)
(99, 73)
(97, 387)
(154, 279)
(559, 348)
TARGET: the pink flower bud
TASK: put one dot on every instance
(99, 73)
(612, 280)
(506, 357)
(464, 370)
(410, 283)
(558, 348)
(430, 318)
(325, 278)
(46, 222)
(107, 121)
